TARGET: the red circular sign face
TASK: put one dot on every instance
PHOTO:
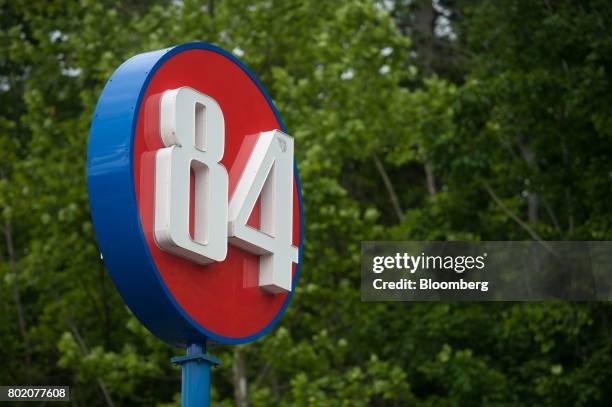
(224, 298)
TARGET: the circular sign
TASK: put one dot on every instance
(195, 196)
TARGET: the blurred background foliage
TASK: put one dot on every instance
(443, 120)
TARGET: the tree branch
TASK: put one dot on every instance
(85, 351)
(515, 218)
(74, 330)
(389, 186)
(23, 327)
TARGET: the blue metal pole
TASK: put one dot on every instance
(195, 388)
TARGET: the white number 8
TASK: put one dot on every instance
(192, 129)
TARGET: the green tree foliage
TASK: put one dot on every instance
(413, 120)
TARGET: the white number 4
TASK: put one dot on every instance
(192, 129)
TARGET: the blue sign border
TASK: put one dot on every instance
(112, 197)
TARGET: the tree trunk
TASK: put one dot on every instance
(533, 201)
(425, 24)
(239, 378)
(431, 180)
